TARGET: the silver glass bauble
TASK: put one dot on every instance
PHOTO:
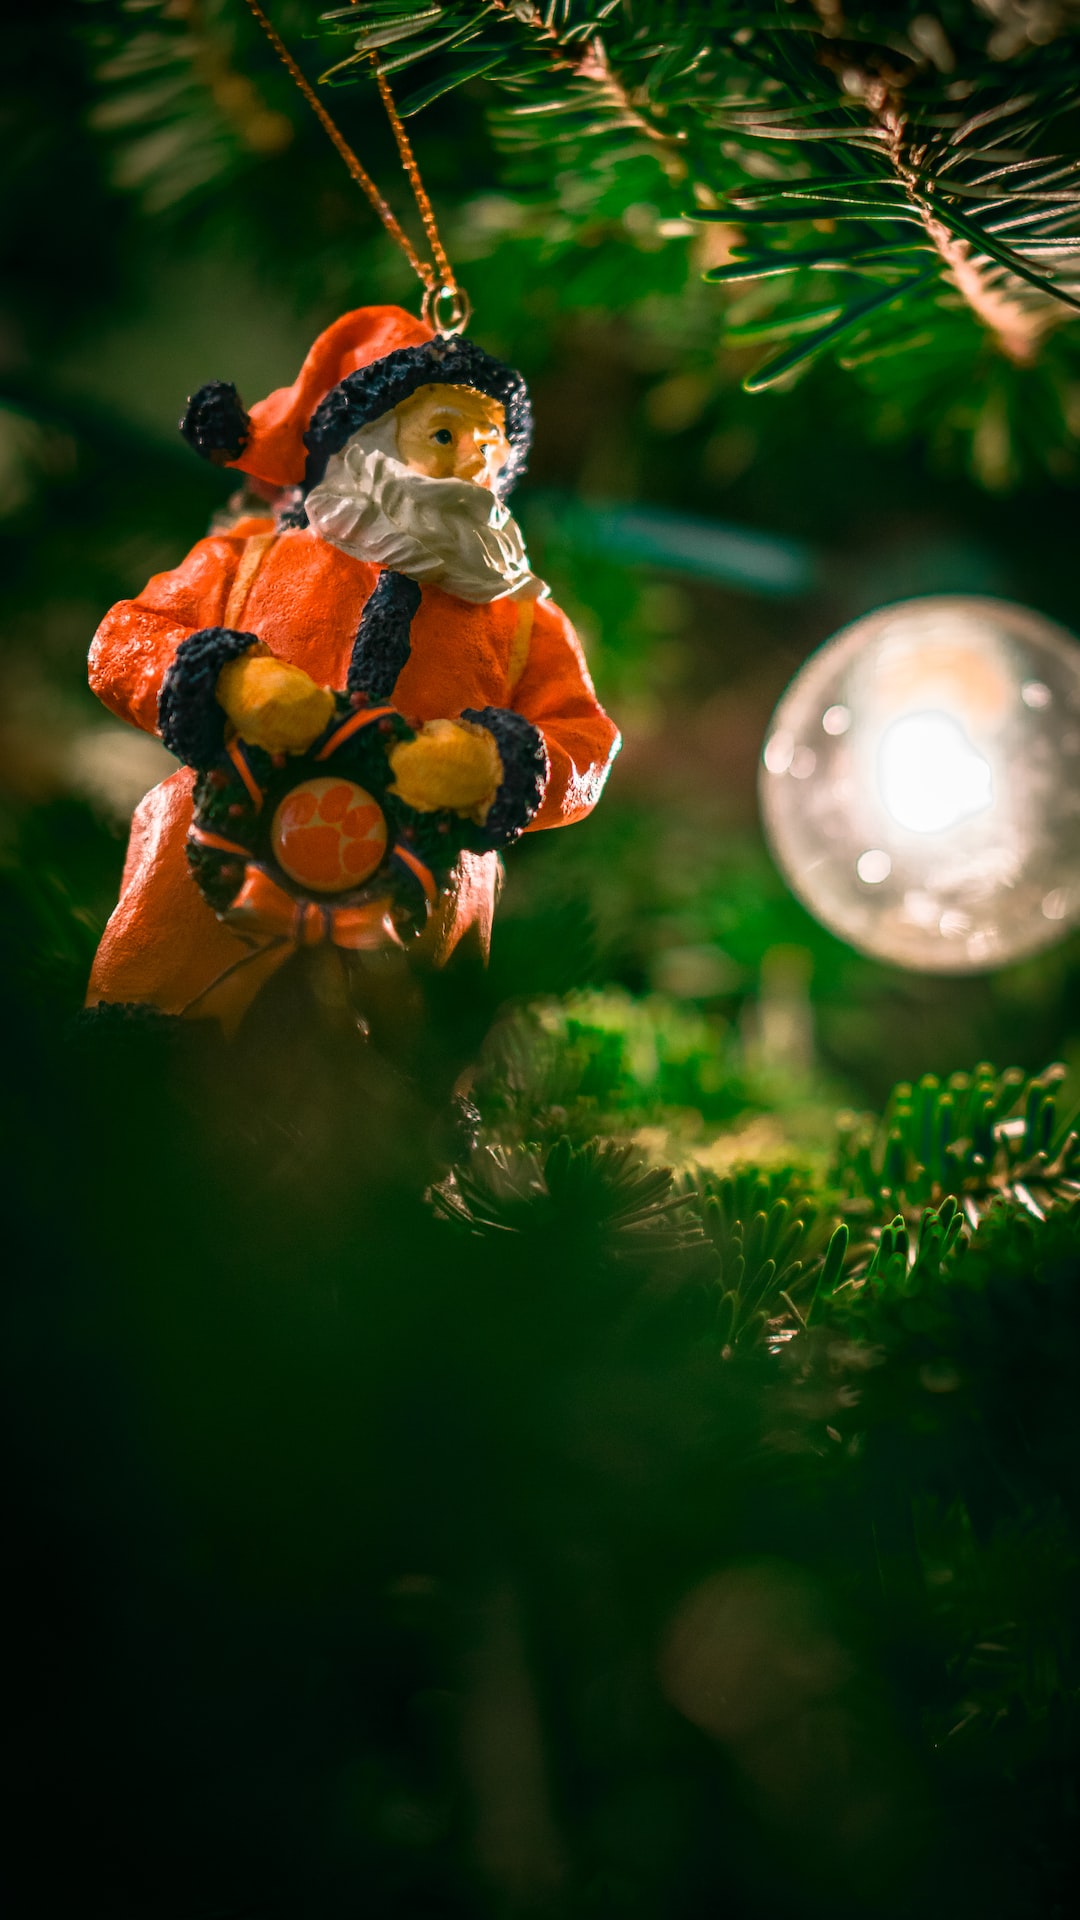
(920, 783)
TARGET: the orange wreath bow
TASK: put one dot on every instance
(265, 911)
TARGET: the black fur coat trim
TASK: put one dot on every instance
(382, 642)
(190, 721)
(525, 771)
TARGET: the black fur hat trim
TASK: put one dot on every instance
(370, 392)
(525, 771)
(190, 722)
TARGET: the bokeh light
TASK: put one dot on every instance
(920, 783)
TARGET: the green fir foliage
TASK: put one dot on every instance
(598, 1059)
(977, 1136)
(601, 1194)
(896, 187)
(768, 1255)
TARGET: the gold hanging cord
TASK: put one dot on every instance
(445, 305)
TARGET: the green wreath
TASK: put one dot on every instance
(281, 816)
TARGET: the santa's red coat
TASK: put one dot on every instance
(303, 598)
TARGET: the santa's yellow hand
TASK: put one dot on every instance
(273, 705)
(450, 764)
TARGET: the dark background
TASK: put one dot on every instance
(285, 1466)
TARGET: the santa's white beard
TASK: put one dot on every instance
(450, 532)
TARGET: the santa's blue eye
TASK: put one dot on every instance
(443, 435)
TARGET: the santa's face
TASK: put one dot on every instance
(415, 491)
(453, 433)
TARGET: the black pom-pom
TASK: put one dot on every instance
(382, 643)
(215, 423)
(525, 771)
(190, 722)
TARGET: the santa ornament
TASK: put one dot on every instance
(370, 690)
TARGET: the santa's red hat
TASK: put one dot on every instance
(358, 369)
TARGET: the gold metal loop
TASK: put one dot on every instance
(446, 308)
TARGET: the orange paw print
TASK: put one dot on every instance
(328, 835)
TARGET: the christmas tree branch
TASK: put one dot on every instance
(593, 66)
(1017, 324)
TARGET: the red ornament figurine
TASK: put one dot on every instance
(371, 691)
